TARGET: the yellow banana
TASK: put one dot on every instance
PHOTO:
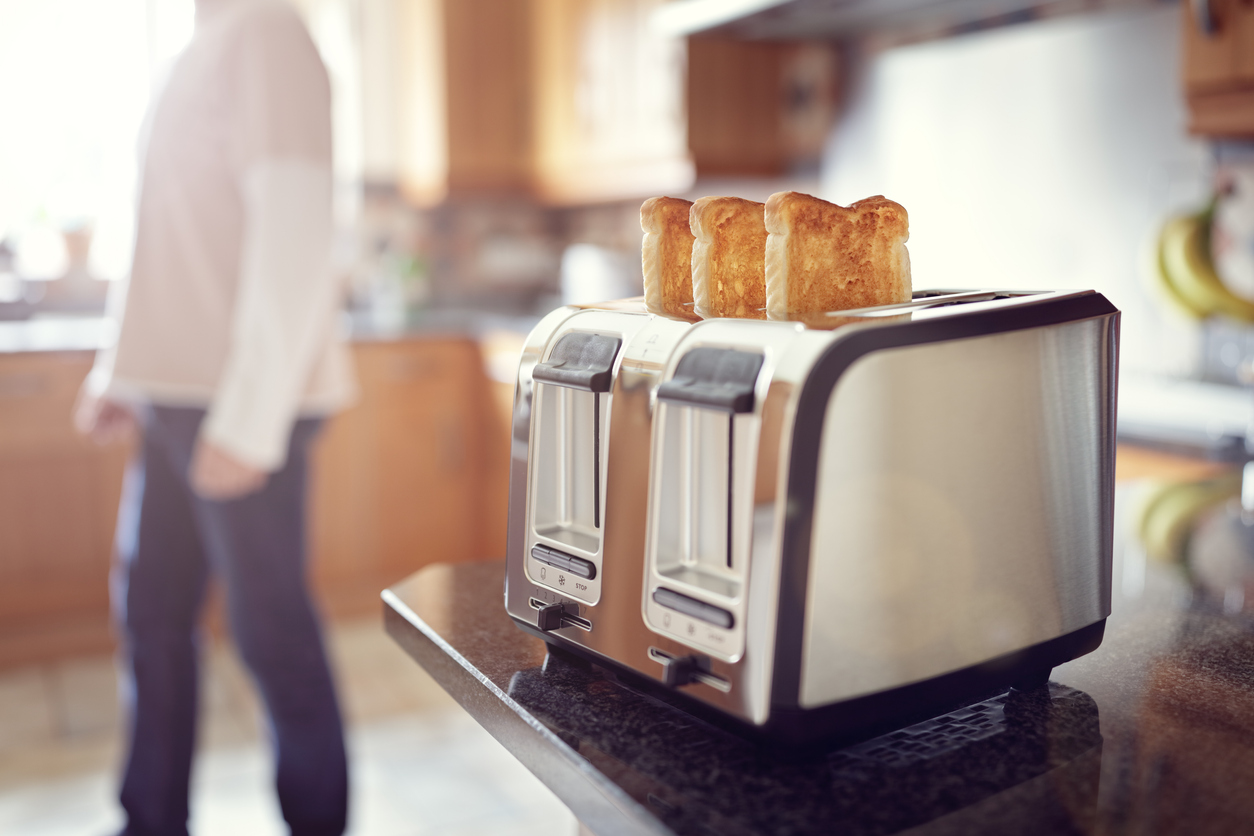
(1173, 231)
(1184, 252)
(1168, 517)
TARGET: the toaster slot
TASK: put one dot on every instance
(694, 513)
(707, 420)
(570, 435)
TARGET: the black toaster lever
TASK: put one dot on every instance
(714, 378)
(580, 361)
(679, 670)
(550, 617)
(555, 616)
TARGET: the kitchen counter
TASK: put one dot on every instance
(86, 333)
(1152, 733)
(91, 333)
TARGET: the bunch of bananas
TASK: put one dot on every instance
(1168, 513)
(1187, 273)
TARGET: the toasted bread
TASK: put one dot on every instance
(666, 256)
(728, 274)
(824, 257)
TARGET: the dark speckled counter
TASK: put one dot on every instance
(1151, 734)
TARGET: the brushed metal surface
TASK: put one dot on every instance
(565, 480)
(743, 655)
(961, 506)
(617, 631)
(628, 629)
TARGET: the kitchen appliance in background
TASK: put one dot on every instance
(823, 528)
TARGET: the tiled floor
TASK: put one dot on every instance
(421, 766)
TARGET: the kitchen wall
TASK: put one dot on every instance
(1043, 154)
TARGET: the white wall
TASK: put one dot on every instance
(1041, 155)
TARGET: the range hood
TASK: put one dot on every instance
(828, 19)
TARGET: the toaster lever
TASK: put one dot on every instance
(580, 361)
(686, 670)
(550, 617)
(714, 378)
(556, 616)
(679, 670)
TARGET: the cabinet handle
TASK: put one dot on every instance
(1205, 18)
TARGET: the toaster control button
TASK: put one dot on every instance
(700, 610)
(566, 562)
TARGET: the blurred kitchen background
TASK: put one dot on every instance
(491, 157)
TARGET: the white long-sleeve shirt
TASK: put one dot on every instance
(231, 300)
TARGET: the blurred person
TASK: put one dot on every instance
(226, 359)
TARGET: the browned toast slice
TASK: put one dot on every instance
(728, 274)
(825, 257)
(666, 256)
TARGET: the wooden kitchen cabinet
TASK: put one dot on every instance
(608, 102)
(563, 101)
(414, 473)
(402, 479)
(1219, 68)
(759, 108)
(58, 504)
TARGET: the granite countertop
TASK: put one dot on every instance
(1152, 733)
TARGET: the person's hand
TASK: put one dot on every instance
(217, 475)
(102, 420)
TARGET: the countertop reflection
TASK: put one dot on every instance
(1152, 733)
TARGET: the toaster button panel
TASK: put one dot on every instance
(700, 610)
(566, 562)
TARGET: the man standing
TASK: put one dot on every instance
(226, 355)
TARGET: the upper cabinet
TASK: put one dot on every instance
(1219, 66)
(759, 107)
(562, 101)
(608, 102)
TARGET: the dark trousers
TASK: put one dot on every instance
(169, 541)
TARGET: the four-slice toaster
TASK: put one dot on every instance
(819, 528)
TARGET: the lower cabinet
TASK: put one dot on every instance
(413, 474)
(58, 504)
(406, 477)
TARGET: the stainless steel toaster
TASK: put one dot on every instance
(821, 528)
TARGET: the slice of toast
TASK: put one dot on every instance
(824, 257)
(728, 274)
(666, 256)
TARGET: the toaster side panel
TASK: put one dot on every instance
(960, 506)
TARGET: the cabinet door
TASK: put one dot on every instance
(735, 105)
(488, 101)
(409, 476)
(1210, 56)
(399, 478)
(1219, 67)
(1243, 28)
(609, 118)
(58, 508)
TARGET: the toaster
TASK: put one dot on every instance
(823, 528)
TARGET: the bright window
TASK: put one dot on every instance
(75, 80)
